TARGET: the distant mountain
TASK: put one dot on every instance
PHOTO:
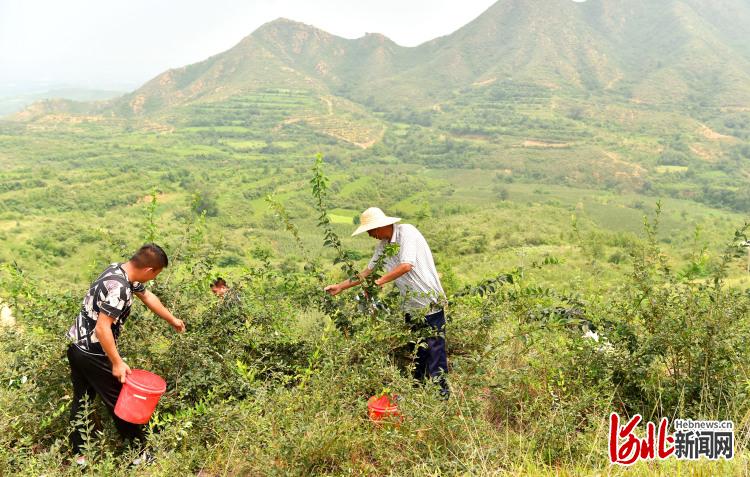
(648, 50)
(644, 51)
(12, 103)
(280, 54)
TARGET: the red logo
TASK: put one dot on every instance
(625, 448)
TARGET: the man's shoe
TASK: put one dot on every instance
(445, 390)
(145, 458)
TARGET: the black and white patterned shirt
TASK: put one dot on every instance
(111, 294)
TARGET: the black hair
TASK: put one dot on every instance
(150, 256)
(219, 282)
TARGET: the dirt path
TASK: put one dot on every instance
(329, 103)
(709, 133)
(485, 82)
(542, 144)
(701, 152)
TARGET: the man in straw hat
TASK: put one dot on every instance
(413, 271)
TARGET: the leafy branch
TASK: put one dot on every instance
(733, 250)
(319, 184)
(488, 286)
(283, 216)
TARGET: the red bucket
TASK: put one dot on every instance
(139, 396)
(381, 408)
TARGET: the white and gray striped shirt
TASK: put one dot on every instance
(421, 286)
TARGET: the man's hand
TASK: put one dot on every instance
(334, 290)
(153, 303)
(178, 325)
(120, 371)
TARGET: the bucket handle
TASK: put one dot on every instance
(140, 397)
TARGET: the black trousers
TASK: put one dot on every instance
(92, 375)
(431, 360)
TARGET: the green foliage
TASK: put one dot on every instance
(205, 203)
(265, 382)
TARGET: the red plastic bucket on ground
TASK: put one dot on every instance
(380, 408)
(139, 396)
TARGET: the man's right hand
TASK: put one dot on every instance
(120, 371)
(334, 290)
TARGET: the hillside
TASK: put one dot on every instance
(638, 96)
(628, 97)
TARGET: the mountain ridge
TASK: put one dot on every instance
(650, 52)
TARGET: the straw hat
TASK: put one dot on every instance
(373, 218)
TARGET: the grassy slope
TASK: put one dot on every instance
(82, 182)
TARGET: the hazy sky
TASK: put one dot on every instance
(110, 43)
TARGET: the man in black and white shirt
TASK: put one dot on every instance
(95, 364)
(413, 271)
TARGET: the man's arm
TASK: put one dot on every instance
(401, 269)
(153, 303)
(104, 334)
(346, 284)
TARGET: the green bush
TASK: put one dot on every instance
(274, 379)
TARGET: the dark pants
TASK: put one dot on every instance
(92, 375)
(431, 360)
